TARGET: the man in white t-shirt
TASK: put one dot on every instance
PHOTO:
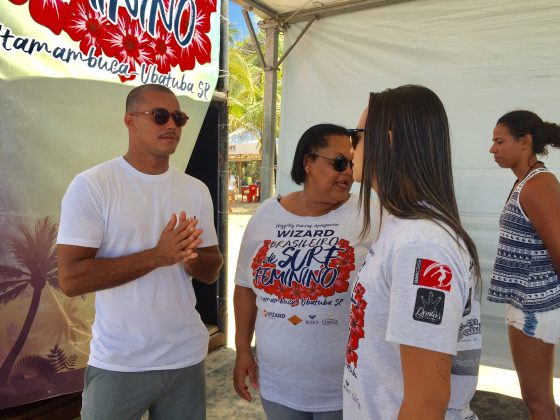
(136, 231)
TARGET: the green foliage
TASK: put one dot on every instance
(246, 86)
(249, 171)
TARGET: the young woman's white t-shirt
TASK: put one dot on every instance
(416, 288)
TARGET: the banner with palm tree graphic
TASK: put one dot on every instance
(59, 117)
(32, 281)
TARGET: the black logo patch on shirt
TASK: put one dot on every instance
(429, 306)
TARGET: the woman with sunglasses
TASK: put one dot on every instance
(414, 337)
(526, 273)
(297, 261)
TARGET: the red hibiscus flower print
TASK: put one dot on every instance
(261, 254)
(296, 292)
(351, 356)
(207, 5)
(280, 291)
(128, 43)
(356, 327)
(49, 13)
(86, 25)
(359, 307)
(359, 291)
(18, 2)
(164, 50)
(199, 48)
(314, 291)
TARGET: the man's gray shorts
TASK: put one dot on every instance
(166, 394)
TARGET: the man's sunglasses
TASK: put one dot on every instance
(340, 163)
(354, 137)
(162, 115)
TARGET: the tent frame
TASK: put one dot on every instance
(273, 22)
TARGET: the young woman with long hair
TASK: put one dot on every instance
(414, 338)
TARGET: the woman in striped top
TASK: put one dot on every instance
(526, 271)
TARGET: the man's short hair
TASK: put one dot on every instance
(136, 95)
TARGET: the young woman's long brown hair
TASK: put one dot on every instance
(407, 157)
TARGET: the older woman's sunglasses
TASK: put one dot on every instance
(354, 136)
(340, 163)
(162, 115)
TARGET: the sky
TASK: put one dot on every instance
(236, 20)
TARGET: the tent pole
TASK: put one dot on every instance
(269, 104)
(304, 30)
(253, 37)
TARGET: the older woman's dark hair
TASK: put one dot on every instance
(407, 152)
(521, 122)
(311, 141)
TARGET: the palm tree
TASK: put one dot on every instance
(246, 87)
(35, 252)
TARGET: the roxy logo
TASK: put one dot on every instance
(268, 314)
(430, 273)
(312, 320)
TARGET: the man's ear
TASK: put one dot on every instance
(129, 121)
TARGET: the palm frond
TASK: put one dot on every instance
(11, 272)
(59, 360)
(10, 284)
(11, 294)
(36, 248)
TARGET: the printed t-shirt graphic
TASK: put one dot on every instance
(301, 270)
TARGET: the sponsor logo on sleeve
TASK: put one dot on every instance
(429, 306)
(433, 274)
(294, 319)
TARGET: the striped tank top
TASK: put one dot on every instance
(523, 274)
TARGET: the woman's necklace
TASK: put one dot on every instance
(529, 170)
(518, 180)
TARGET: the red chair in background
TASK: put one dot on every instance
(252, 197)
(251, 192)
(245, 192)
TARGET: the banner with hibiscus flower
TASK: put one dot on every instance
(170, 42)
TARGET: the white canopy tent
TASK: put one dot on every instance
(243, 146)
(482, 58)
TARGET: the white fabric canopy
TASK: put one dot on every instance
(482, 59)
